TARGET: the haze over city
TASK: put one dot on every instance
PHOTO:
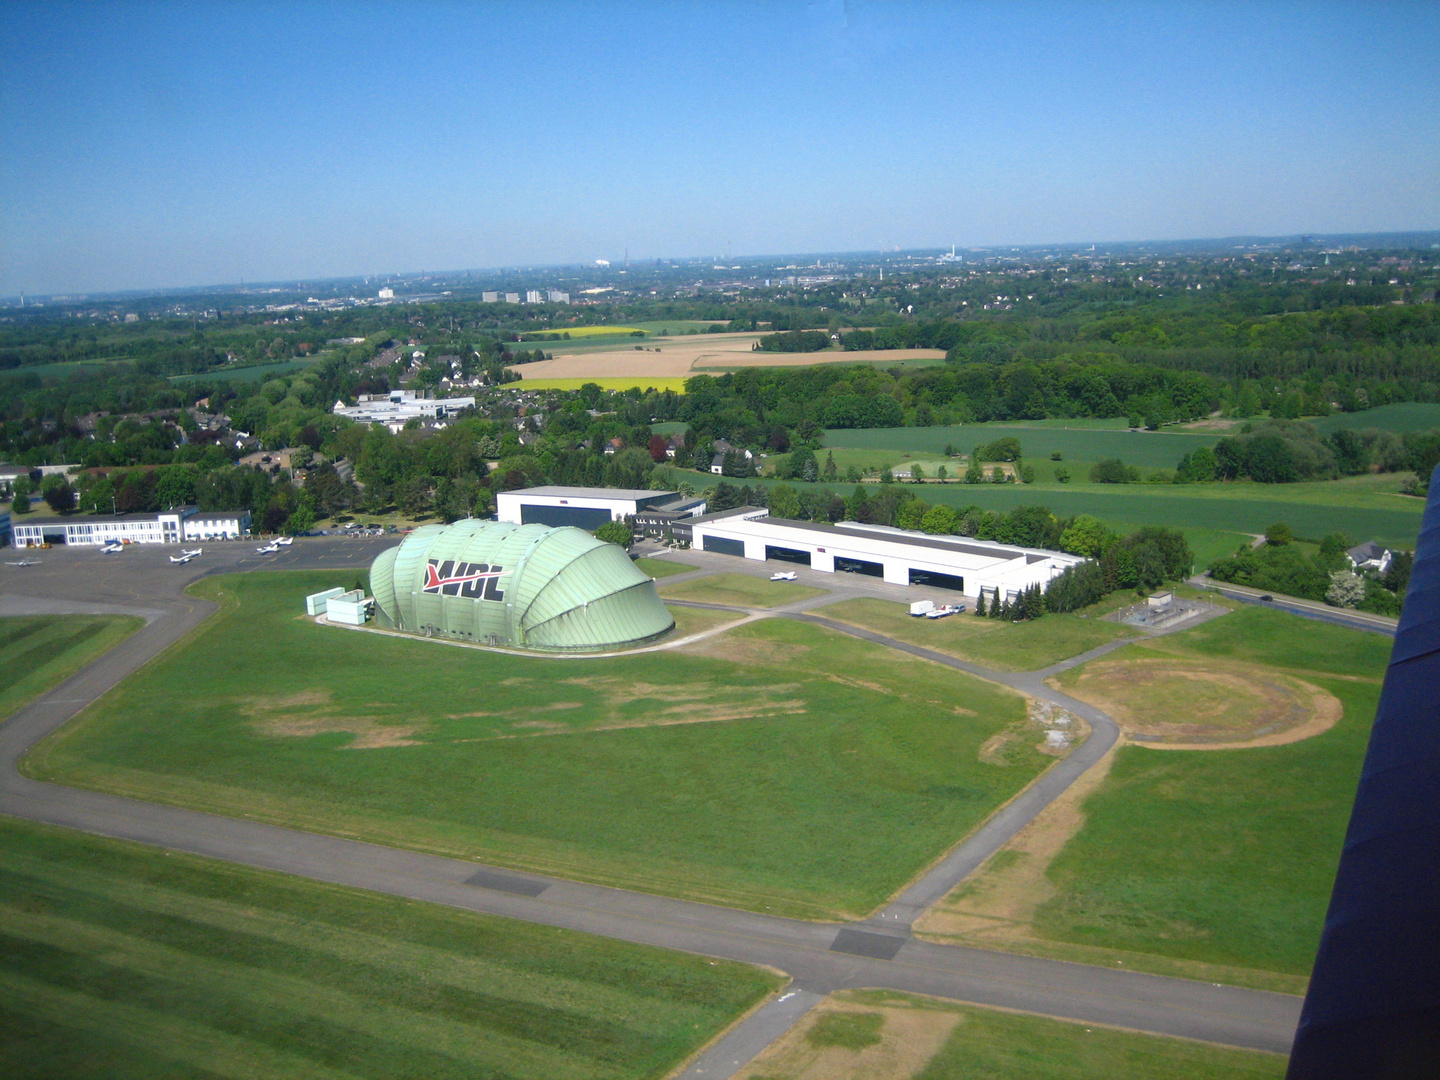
(164, 145)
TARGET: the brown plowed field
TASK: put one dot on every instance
(682, 357)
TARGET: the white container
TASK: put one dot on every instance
(922, 607)
(315, 603)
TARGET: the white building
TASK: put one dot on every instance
(387, 293)
(490, 297)
(899, 557)
(555, 296)
(585, 508)
(512, 297)
(398, 407)
(185, 523)
(534, 296)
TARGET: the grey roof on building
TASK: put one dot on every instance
(735, 511)
(945, 542)
(617, 494)
(1368, 550)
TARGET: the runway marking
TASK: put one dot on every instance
(507, 883)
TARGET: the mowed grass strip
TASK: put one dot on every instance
(1226, 856)
(882, 1033)
(994, 643)
(740, 590)
(663, 568)
(130, 961)
(777, 766)
(38, 652)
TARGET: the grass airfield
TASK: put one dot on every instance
(1211, 865)
(122, 960)
(779, 767)
(41, 651)
(880, 1035)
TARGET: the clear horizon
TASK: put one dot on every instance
(146, 147)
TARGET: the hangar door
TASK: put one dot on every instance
(937, 580)
(858, 566)
(723, 545)
(786, 554)
(588, 518)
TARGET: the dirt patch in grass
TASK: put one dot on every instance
(905, 1040)
(310, 712)
(997, 903)
(749, 651)
(1185, 704)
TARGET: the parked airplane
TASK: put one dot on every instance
(268, 549)
(192, 554)
(284, 541)
(944, 610)
(114, 547)
(24, 562)
(790, 576)
(181, 558)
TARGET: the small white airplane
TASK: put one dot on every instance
(114, 547)
(192, 554)
(783, 576)
(942, 611)
(182, 559)
(268, 549)
(284, 541)
(24, 562)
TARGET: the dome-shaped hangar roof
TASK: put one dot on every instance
(530, 586)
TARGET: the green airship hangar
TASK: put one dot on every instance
(507, 585)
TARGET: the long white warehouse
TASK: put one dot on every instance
(970, 567)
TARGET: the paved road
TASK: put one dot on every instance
(1306, 609)
(821, 958)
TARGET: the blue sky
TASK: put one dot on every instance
(148, 145)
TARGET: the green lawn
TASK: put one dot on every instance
(127, 961)
(663, 568)
(1407, 416)
(250, 373)
(988, 1044)
(741, 590)
(41, 651)
(1224, 857)
(1005, 646)
(779, 766)
(1082, 440)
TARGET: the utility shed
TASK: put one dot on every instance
(351, 608)
(530, 586)
(315, 602)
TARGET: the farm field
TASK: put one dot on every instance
(1402, 417)
(883, 1034)
(1001, 645)
(250, 373)
(1148, 449)
(741, 590)
(644, 382)
(38, 652)
(128, 961)
(688, 355)
(1212, 864)
(778, 766)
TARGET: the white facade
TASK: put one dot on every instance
(556, 296)
(351, 608)
(216, 525)
(169, 527)
(534, 296)
(971, 567)
(489, 297)
(512, 297)
(619, 503)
